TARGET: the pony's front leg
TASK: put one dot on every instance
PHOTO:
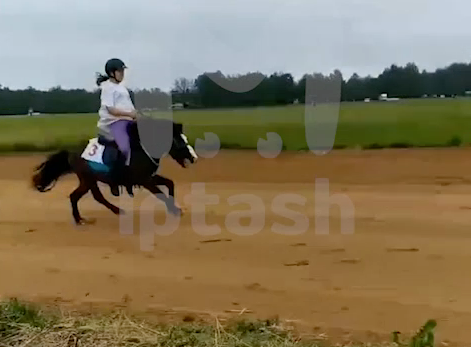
(163, 181)
(168, 200)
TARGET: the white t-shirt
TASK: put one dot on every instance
(113, 95)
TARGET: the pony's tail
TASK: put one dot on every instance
(51, 170)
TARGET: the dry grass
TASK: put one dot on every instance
(23, 325)
(120, 330)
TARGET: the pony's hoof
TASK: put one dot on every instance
(175, 210)
(86, 222)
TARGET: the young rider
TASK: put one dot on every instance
(116, 112)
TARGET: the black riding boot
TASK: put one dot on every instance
(116, 178)
(127, 180)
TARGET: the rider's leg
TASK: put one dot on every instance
(120, 134)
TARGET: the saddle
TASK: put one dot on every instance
(105, 142)
(112, 156)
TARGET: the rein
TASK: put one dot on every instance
(148, 155)
(139, 112)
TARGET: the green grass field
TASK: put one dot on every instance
(407, 123)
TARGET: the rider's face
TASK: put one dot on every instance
(119, 75)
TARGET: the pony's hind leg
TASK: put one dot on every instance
(75, 196)
(98, 196)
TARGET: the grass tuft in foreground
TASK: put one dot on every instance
(15, 315)
(23, 325)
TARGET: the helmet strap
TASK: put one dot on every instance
(112, 76)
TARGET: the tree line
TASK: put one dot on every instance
(215, 90)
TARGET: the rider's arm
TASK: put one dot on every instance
(108, 100)
(120, 113)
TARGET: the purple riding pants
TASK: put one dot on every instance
(120, 134)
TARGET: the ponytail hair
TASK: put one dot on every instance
(101, 78)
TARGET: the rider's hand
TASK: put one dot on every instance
(133, 114)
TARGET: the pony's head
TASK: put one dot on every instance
(181, 151)
(155, 131)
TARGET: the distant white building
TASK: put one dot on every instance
(177, 106)
(32, 113)
(384, 97)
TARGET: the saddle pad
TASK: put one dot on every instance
(94, 151)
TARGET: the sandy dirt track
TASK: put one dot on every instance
(407, 260)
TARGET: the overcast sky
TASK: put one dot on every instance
(64, 42)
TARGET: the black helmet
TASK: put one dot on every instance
(113, 65)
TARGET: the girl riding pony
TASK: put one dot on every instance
(116, 112)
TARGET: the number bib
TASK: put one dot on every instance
(94, 151)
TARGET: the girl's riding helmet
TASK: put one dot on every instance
(113, 65)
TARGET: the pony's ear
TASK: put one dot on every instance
(179, 128)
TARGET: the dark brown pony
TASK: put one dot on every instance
(143, 167)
